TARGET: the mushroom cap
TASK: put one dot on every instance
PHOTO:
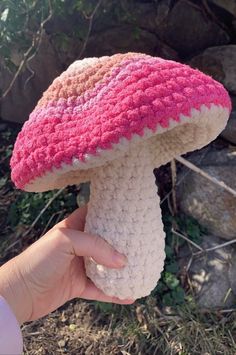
(95, 109)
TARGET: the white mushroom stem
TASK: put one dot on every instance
(124, 209)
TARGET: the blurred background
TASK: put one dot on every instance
(192, 309)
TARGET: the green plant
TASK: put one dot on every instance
(106, 308)
(19, 22)
(22, 23)
(169, 290)
(27, 207)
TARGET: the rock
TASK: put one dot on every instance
(212, 206)
(83, 194)
(229, 132)
(61, 343)
(127, 38)
(212, 274)
(219, 62)
(162, 11)
(228, 5)
(3, 127)
(121, 39)
(188, 29)
(143, 15)
(232, 273)
(22, 98)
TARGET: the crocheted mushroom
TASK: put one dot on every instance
(112, 120)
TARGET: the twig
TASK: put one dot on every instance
(48, 223)
(173, 178)
(217, 310)
(207, 250)
(180, 180)
(91, 17)
(227, 294)
(189, 263)
(219, 246)
(207, 176)
(27, 53)
(32, 73)
(58, 214)
(231, 337)
(12, 245)
(43, 210)
(170, 206)
(33, 333)
(6, 92)
(187, 239)
(40, 32)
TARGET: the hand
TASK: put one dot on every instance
(51, 271)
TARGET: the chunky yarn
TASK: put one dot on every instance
(98, 101)
(111, 120)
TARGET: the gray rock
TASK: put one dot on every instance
(143, 15)
(219, 62)
(188, 29)
(228, 5)
(83, 194)
(212, 206)
(229, 132)
(3, 127)
(212, 274)
(127, 38)
(162, 11)
(232, 273)
(121, 39)
(22, 98)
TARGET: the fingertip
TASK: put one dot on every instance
(127, 301)
(120, 260)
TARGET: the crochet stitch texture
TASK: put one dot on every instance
(97, 101)
(112, 120)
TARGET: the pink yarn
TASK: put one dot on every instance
(141, 93)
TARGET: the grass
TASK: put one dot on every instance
(166, 322)
(139, 329)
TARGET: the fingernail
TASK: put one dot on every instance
(119, 259)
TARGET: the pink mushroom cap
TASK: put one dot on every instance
(99, 102)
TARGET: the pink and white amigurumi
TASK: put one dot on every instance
(111, 121)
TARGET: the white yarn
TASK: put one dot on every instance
(124, 209)
(124, 206)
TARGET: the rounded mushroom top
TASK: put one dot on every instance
(99, 104)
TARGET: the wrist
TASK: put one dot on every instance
(13, 290)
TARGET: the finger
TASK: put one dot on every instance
(91, 292)
(84, 244)
(75, 220)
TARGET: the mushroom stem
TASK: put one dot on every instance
(124, 209)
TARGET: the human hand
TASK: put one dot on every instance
(51, 271)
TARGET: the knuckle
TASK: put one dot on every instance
(59, 236)
(99, 243)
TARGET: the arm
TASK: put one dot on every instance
(10, 334)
